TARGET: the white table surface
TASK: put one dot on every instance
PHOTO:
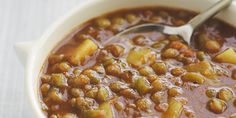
(22, 20)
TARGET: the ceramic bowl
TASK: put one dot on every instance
(33, 54)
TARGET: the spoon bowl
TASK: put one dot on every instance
(184, 31)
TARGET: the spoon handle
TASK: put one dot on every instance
(214, 9)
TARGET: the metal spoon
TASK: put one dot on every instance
(184, 31)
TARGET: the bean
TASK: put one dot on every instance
(235, 102)
(76, 71)
(193, 77)
(94, 77)
(158, 45)
(55, 95)
(179, 22)
(72, 102)
(127, 76)
(118, 21)
(92, 93)
(175, 91)
(211, 93)
(119, 106)
(170, 53)
(102, 94)
(53, 59)
(63, 67)
(103, 22)
(129, 93)
(162, 107)
(152, 77)
(177, 71)
(225, 94)
(146, 70)
(113, 69)
(178, 45)
(131, 18)
(99, 69)
(117, 86)
(157, 85)
(81, 81)
(142, 85)
(157, 97)
(233, 74)
(217, 106)
(70, 115)
(115, 50)
(212, 46)
(76, 92)
(46, 78)
(164, 14)
(160, 68)
(45, 88)
(140, 40)
(201, 55)
(59, 80)
(53, 116)
(143, 104)
(174, 38)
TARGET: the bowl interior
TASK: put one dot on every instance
(91, 9)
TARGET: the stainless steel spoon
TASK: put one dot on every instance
(184, 31)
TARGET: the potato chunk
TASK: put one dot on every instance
(83, 50)
(227, 56)
(174, 110)
(202, 67)
(106, 106)
(193, 77)
(139, 56)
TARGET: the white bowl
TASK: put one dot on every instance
(33, 54)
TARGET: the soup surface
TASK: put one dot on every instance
(145, 74)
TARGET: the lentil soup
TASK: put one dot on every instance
(146, 74)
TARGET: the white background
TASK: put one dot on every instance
(22, 20)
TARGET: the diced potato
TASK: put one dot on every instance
(142, 85)
(140, 56)
(106, 106)
(227, 56)
(94, 114)
(202, 67)
(193, 77)
(83, 50)
(174, 110)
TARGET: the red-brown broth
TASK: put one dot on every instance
(196, 98)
